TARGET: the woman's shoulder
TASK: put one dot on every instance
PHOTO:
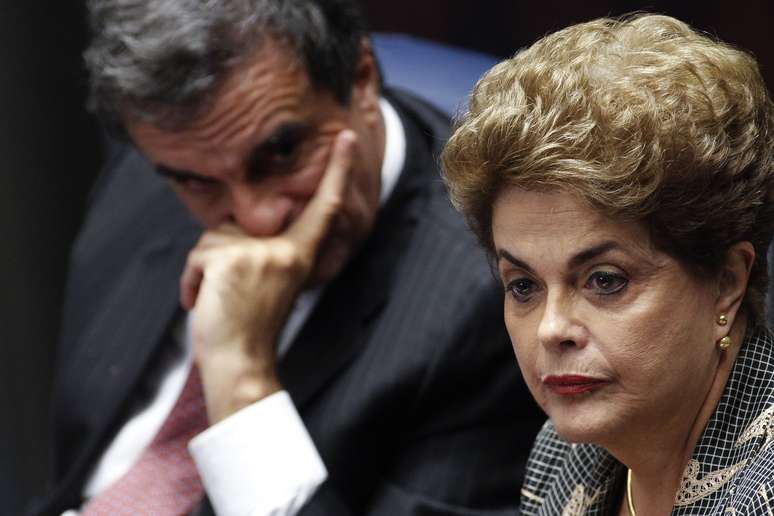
(752, 493)
(549, 449)
(546, 460)
(746, 436)
(563, 476)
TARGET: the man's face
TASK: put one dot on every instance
(255, 158)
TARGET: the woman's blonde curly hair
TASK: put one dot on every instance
(645, 120)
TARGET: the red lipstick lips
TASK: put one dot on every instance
(572, 384)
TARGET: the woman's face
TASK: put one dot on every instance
(612, 335)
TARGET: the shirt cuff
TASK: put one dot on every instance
(258, 461)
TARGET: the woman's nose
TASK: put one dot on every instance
(559, 324)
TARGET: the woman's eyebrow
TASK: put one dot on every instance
(505, 255)
(577, 259)
(591, 253)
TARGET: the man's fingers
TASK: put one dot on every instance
(215, 238)
(306, 232)
(191, 280)
(312, 225)
(229, 228)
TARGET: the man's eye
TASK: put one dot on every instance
(196, 186)
(283, 151)
(278, 157)
(606, 283)
(522, 289)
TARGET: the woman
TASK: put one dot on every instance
(621, 174)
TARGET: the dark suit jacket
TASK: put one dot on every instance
(403, 374)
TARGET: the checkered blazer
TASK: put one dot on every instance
(731, 472)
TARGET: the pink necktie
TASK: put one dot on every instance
(164, 481)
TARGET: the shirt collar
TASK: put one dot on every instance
(392, 164)
(394, 149)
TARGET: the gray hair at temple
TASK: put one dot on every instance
(161, 61)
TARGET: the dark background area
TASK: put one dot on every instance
(50, 153)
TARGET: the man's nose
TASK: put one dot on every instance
(258, 212)
(560, 325)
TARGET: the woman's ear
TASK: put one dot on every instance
(733, 282)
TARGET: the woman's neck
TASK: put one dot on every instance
(658, 457)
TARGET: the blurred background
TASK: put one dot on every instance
(50, 154)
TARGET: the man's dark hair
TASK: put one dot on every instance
(162, 60)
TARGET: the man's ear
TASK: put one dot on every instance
(366, 88)
(732, 285)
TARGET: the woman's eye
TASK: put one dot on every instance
(522, 289)
(605, 283)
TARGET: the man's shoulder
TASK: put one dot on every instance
(129, 207)
(427, 129)
(128, 187)
(133, 220)
(432, 124)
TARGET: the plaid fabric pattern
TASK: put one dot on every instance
(731, 472)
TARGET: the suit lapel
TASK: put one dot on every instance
(125, 335)
(335, 331)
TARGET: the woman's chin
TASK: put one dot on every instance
(582, 429)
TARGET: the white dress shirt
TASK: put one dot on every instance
(260, 460)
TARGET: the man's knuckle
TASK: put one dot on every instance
(287, 257)
(335, 204)
(238, 260)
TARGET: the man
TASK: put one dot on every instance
(346, 340)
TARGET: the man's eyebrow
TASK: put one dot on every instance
(576, 260)
(181, 175)
(286, 131)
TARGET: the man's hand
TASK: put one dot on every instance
(241, 290)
